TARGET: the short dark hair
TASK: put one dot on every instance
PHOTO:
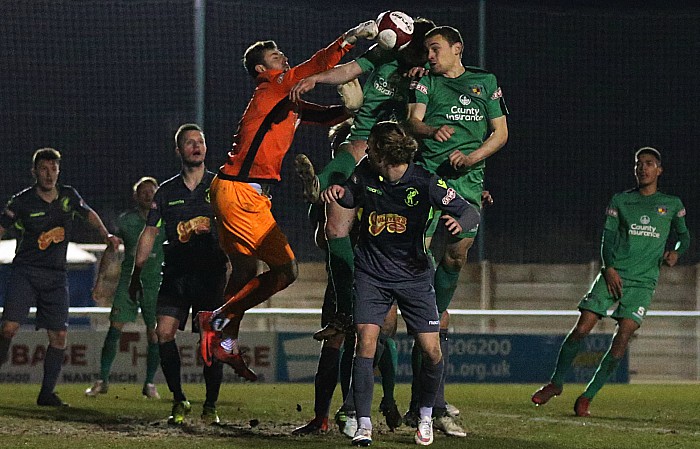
(648, 150)
(145, 179)
(394, 145)
(45, 154)
(450, 34)
(421, 26)
(255, 54)
(180, 134)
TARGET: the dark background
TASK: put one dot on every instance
(108, 82)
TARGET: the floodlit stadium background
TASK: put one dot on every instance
(108, 82)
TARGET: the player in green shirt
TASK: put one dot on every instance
(637, 226)
(124, 310)
(459, 117)
(384, 96)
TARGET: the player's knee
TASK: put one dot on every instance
(57, 339)
(9, 329)
(433, 354)
(454, 261)
(287, 274)
(337, 228)
(165, 334)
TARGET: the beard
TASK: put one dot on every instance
(192, 164)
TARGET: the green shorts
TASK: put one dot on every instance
(634, 303)
(124, 310)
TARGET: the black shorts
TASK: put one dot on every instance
(200, 290)
(43, 288)
(417, 305)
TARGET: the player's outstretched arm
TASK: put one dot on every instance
(337, 75)
(110, 239)
(364, 30)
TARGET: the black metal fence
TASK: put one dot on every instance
(108, 82)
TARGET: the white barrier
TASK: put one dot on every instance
(464, 312)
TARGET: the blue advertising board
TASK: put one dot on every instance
(473, 358)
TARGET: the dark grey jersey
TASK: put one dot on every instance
(391, 246)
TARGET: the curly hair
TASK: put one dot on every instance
(393, 144)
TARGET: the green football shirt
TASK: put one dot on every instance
(385, 91)
(465, 103)
(643, 225)
(129, 227)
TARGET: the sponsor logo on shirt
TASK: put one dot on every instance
(65, 204)
(462, 112)
(373, 190)
(37, 214)
(196, 225)
(392, 223)
(449, 196)
(383, 87)
(644, 229)
(681, 213)
(176, 202)
(422, 88)
(611, 212)
(434, 323)
(55, 235)
(497, 94)
(411, 194)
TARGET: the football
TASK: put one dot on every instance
(395, 30)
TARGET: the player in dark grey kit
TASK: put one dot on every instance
(44, 215)
(391, 262)
(194, 268)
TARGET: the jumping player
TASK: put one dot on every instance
(240, 192)
(458, 115)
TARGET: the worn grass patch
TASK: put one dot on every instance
(263, 416)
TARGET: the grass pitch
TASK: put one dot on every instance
(262, 416)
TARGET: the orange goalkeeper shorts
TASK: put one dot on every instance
(245, 223)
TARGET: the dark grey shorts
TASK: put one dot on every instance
(199, 290)
(416, 303)
(43, 288)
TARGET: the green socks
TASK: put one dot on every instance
(387, 367)
(109, 352)
(567, 353)
(605, 369)
(445, 286)
(341, 264)
(152, 362)
(338, 169)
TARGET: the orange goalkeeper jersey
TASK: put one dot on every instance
(267, 128)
